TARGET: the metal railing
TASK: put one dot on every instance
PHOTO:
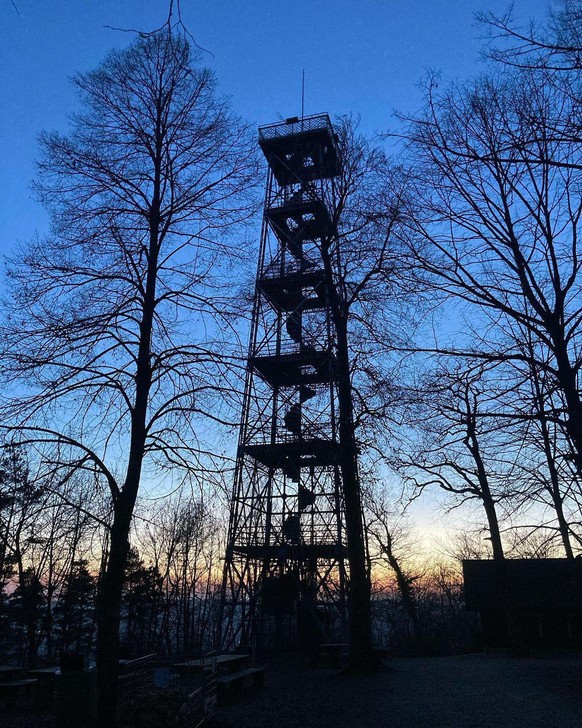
(296, 125)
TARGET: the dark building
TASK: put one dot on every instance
(545, 596)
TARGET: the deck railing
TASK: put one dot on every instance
(296, 125)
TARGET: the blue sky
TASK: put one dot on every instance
(359, 56)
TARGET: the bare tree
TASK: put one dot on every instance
(178, 539)
(472, 458)
(552, 54)
(556, 47)
(463, 453)
(42, 531)
(554, 474)
(391, 540)
(119, 320)
(499, 233)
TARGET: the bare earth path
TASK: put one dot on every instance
(468, 691)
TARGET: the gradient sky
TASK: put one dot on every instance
(360, 56)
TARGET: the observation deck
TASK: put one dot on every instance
(305, 290)
(301, 149)
(299, 552)
(300, 219)
(316, 452)
(297, 369)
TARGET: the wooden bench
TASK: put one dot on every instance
(16, 687)
(224, 664)
(232, 685)
(44, 673)
(18, 683)
(10, 672)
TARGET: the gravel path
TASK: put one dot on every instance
(468, 691)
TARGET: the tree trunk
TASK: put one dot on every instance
(513, 625)
(108, 617)
(550, 453)
(362, 657)
(361, 652)
(110, 592)
(567, 378)
(503, 582)
(555, 492)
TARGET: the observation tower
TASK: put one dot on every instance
(284, 581)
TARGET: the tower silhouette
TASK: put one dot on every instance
(284, 579)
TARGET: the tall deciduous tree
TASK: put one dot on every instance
(495, 227)
(359, 260)
(118, 320)
(464, 451)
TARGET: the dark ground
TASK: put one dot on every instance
(468, 691)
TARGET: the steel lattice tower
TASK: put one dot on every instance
(285, 568)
